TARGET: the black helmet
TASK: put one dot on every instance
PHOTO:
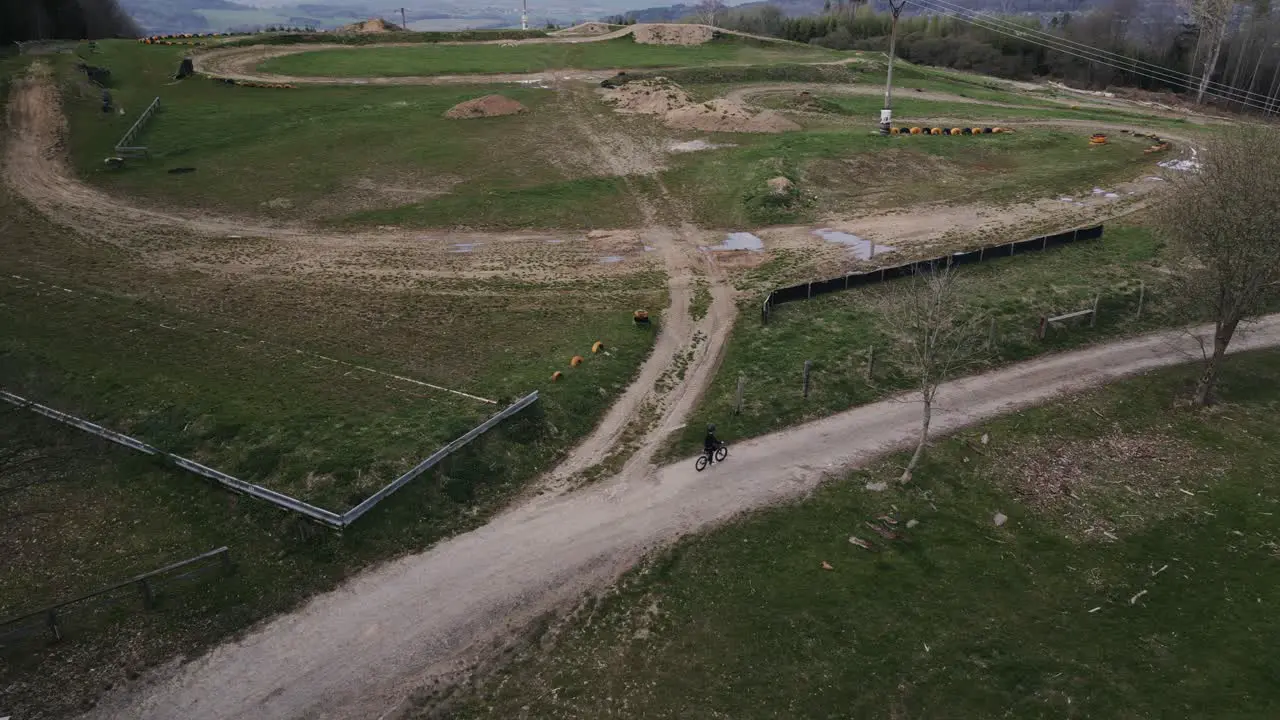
(711, 427)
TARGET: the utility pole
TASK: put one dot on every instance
(524, 15)
(404, 24)
(886, 115)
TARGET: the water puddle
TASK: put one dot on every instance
(739, 241)
(649, 249)
(695, 146)
(464, 247)
(611, 259)
(862, 249)
(554, 241)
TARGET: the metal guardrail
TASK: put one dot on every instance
(318, 514)
(143, 581)
(123, 148)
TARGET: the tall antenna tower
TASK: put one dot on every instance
(524, 14)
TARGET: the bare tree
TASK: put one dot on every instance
(1213, 17)
(937, 338)
(709, 10)
(1226, 218)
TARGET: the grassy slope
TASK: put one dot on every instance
(326, 152)
(844, 170)
(961, 619)
(834, 331)
(619, 53)
(269, 415)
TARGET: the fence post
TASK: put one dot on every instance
(1093, 318)
(871, 362)
(737, 402)
(52, 619)
(1044, 323)
(1142, 295)
(809, 294)
(808, 366)
(991, 336)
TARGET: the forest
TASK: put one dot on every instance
(22, 20)
(1151, 46)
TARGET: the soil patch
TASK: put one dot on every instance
(671, 34)
(661, 97)
(1103, 486)
(487, 106)
(373, 25)
(584, 30)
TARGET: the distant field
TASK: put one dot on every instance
(328, 152)
(619, 53)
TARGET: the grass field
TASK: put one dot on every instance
(327, 153)
(841, 170)
(835, 331)
(622, 52)
(1045, 617)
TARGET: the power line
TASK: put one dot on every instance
(1090, 54)
(1024, 30)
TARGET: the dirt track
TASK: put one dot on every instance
(360, 651)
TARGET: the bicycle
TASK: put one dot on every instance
(718, 455)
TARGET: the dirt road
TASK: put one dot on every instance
(360, 651)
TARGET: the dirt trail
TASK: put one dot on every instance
(358, 652)
(658, 398)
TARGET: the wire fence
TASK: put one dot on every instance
(53, 620)
(805, 291)
(337, 521)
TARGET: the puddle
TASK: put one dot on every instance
(611, 259)
(739, 241)
(649, 249)
(1183, 165)
(695, 146)
(862, 249)
(464, 247)
(554, 241)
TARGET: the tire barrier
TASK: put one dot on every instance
(597, 347)
(641, 317)
(805, 291)
(1098, 139)
(575, 361)
(254, 84)
(183, 38)
(949, 131)
(555, 376)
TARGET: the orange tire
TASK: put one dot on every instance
(597, 347)
(576, 361)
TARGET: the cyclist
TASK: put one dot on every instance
(710, 443)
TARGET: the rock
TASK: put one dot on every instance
(912, 523)
(826, 565)
(780, 185)
(877, 486)
(985, 438)
(1000, 519)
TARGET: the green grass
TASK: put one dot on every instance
(835, 331)
(961, 619)
(841, 170)
(427, 36)
(330, 152)
(618, 53)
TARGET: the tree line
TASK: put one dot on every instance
(1218, 41)
(22, 20)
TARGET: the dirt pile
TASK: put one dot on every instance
(586, 29)
(661, 97)
(373, 25)
(672, 34)
(487, 106)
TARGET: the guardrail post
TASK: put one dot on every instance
(871, 362)
(1093, 318)
(737, 402)
(1044, 323)
(991, 336)
(1142, 295)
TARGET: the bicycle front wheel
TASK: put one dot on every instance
(721, 453)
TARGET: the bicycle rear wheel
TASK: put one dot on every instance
(722, 452)
(702, 463)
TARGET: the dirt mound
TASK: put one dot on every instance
(586, 29)
(664, 34)
(664, 98)
(373, 25)
(487, 106)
